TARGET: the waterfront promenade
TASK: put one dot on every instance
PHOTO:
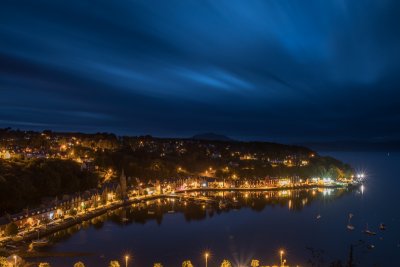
(19, 246)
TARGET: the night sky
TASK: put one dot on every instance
(282, 70)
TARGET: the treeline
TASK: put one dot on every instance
(150, 166)
(109, 141)
(147, 157)
(23, 183)
(41, 140)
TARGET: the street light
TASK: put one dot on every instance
(281, 252)
(126, 260)
(206, 255)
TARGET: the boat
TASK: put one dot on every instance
(382, 226)
(10, 246)
(349, 225)
(368, 232)
(17, 238)
(125, 219)
(40, 242)
(371, 246)
(151, 212)
(171, 211)
(319, 216)
(222, 204)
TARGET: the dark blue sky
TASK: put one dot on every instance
(282, 70)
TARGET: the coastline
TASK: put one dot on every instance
(22, 246)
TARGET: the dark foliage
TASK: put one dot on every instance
(24, 183)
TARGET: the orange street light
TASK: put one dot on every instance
(126, 260)
(206, 255)
(281, 252)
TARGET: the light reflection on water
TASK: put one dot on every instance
(203, 206)
(311, 225)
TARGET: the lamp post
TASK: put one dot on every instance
(281, 252)
(206, 256)
(126, 260)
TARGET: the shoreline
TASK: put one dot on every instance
(267, 188)
(22, 246)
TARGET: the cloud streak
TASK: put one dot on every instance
(278, 69)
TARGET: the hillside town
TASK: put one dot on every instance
(50, 181)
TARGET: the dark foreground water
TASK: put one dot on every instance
(252, 225)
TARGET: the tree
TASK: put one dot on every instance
(104, 196)
(122, 183)
(44, 264)
(73, 212)
(187, 263)
(255, 263)
(157, 264)
(114, 264)
(25, 182)
(226, 263)
(95, 203)
(118, 192)
(79, 264)
(11, 229)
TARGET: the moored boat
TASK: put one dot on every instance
(17, 238)
(222, 204)
(10, 246)
(40, 242)
(349, 225)
(368, 232)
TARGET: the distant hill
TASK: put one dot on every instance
(212, 137)
(350, 145)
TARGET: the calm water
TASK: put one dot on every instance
(257, 225)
